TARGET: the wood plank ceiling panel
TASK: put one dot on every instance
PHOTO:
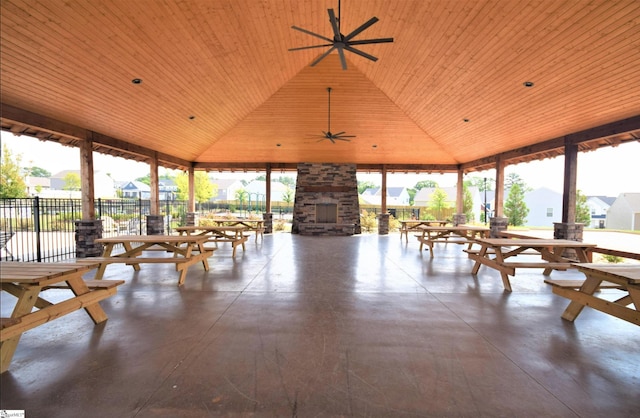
(218, 84)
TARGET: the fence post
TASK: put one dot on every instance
(37, 227)
(99, 208)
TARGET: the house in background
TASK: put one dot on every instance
(37, 185)
(135, 190)
(396, 196)
(545, 207)
(104, 186)
(598, 207)
(257, 190)
(624, 213)
(227, 189)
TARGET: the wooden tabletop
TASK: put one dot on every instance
(27, 272)
(212, 228)
(533, 242)
(453, 228)
(151, 239)
(629, 272)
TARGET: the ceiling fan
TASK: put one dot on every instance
(340, 136)
(340, 41)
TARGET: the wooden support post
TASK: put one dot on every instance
(86, 180)
(267, 198)
(570, 182)
(192, 189)
(383, 191)
(499, 199)
(155, 187)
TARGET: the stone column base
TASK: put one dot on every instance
(459, 219)
(192, 219)
(86, 234)
(497, 225)
(570, 231)
(268, 222)
(155, 225)
(383, 224)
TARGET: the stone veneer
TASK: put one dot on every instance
(326, 184)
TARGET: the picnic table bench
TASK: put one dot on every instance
(495, 251)
(623, 277)
(461, 234)
(412, 225)
(186, 250)
(235, 234)
(27, 281)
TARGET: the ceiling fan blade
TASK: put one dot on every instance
(371, 41)
(345, 136)
(321, 57)
(359, 29)
(343, 60)
(362, 54)
(308, 47)
(334, 25)
(339, 133)
(324, 38)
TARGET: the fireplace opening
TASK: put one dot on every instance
(326, 213)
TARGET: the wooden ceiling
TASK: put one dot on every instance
(220, 88)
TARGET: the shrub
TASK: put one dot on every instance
(368, 221)
(612, 258)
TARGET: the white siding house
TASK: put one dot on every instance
(598, 206)
(624, 213)
(396, 196)
(545, 207)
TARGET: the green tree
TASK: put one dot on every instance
(287, 181)
(242, 196)
(481, 183)
(425, 183)
(203, 188)
(38, 172)
(583, 213)
(71, 182)
(513, 179)
(438, 202)
(515, 209)
(288, 195)
(467, 203)
(12, 184)
(364, 185)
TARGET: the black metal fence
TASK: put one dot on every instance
(35, 229)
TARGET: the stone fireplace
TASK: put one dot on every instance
(326, 201)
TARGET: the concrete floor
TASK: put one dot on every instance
(363, 326)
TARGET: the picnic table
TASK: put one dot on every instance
(223, 233)
(495, 251)
(183, 248)
(256, 225)
(623, 277)
(412, 225)
(461, 234)
(27, 281)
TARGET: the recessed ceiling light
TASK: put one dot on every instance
(528, 84)
(278, 145)
(374, 146)
(465, 120)
(137, 81)
(192, 117)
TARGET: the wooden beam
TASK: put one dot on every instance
(56, 127)
(460, 193)
(192, 189)
(267, 198)
(383, 191)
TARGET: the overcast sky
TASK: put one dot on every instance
(607, 171)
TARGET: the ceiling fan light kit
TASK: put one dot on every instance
(341, 42)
